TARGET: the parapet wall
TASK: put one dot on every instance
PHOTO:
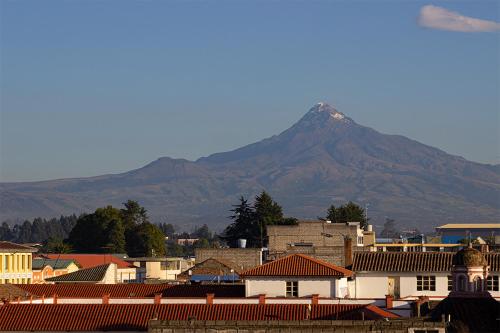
(278, 326)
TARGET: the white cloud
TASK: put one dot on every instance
(440, 18)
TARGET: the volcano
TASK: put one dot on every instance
(324, 158)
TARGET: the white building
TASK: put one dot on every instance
(296, 275)
(407, 275)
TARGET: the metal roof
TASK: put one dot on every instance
(470, 226)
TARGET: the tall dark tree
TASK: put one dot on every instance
(349, 212)
(5, 232)
(244, 225)
(133, 213)
(267, 212)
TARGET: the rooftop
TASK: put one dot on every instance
(39, 263)
(412, 261)
(135, 317)
(470, 226)
(9, 246)
(87, 290)
(92, 260)
(297, 265)
(93, 274)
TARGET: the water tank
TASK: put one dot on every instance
(242, 243)
(369, 227)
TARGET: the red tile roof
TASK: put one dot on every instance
(120, 317)
(297, 265)
(412, 261)
(132, 290)
(4, 245)
(91, 260)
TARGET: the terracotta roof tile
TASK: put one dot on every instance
(92, 260)
(412, 261)
(122, 317)
(132, 290)
(4, 245)
(297, 265)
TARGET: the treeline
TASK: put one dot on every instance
(113, 230)
(38, 230)
(128, 230)
(250, 220)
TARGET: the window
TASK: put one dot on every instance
(450, 283)
(492, 283)
(426, 282)
(292, 289)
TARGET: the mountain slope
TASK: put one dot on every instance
(324, 158)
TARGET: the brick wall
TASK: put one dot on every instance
(277, 326)
(241, 259)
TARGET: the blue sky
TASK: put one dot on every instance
(95, 87)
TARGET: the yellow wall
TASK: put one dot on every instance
(15, 267)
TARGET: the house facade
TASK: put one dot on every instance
(15, 263)
(46, 268)
(296, 275)
(125, 272)
(411, 274)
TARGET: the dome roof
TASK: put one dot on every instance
(469, 257)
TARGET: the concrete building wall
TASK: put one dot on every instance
(280, 326)
(319, 233)
(15, 267)
(276, 287)
(376, 284)
(240, 259)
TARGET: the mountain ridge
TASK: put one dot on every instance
(324, 158)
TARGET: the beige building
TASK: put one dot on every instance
(161, 269)
(297, 275)
(15, 263)
(319, 239)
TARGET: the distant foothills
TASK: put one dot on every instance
(128, 230)
(325, 158)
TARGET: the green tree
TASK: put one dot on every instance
(56, 245)
(349, 212)
(101, 231)
(145, 240)
(5, 232)
(167, 229)
(244, 225)
(133, 214)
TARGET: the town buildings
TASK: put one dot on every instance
(125, 272)
(44, 268)
(409, 275)
(15, 263)
(296, 275)
(454, 232)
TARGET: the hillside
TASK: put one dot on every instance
(325, 157)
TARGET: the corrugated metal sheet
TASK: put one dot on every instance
(94, 274)
(297, 265)
(92, 317)
(411, 261)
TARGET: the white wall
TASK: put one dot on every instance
(276, 287)
(375, 285)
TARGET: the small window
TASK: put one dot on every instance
(292, 289)
(492, 283)
(450, 283)
(426, 282)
